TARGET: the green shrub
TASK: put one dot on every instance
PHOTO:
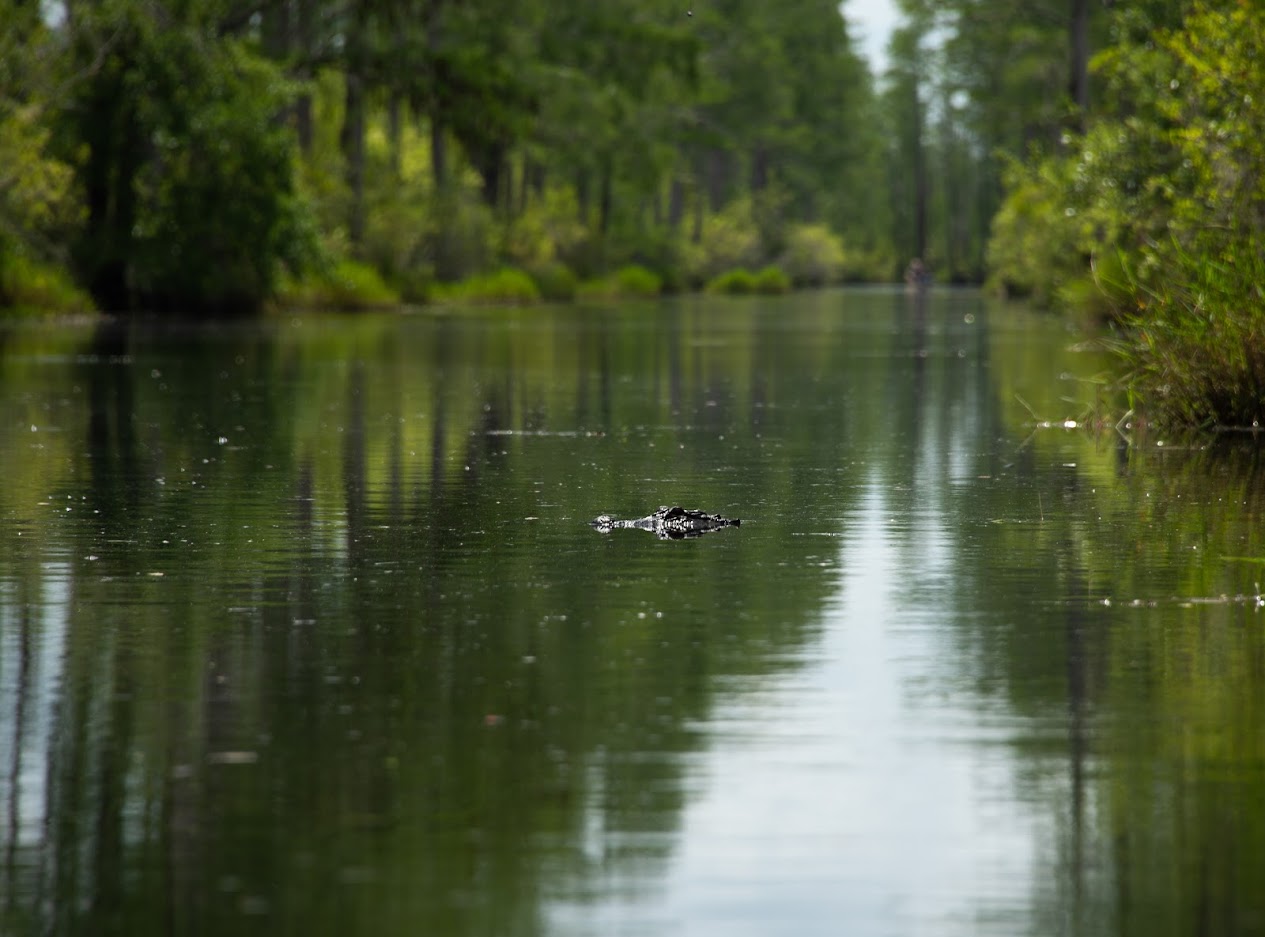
(461, 241)
(631, 282)
(771, 280)
(737, 282)
(626, 283)
(28, 287)
(877, 265)
(635, 280)
(730, 239)
(548, 230)
(216, 207)
(347, 285)
(814, 255)
(588, 257)
(1196, 348)
(398, 233)
(741, 281)
(554, 281)
(602, 289)
(416, 285)
(504, 287)
(661, 252)
(1033, 250)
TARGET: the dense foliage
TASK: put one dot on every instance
(215, 154)
(1117, 150)
(204, 154)
(1144, 200)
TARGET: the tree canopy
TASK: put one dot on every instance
(184, 154)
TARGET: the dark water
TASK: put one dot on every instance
(303, 631)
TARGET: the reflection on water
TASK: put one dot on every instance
(302, 625)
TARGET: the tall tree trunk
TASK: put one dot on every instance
(582, 196)
(676, 203)
(607, 203)
(507, 195)
(303, 122)
(276, 31)
(438, 154)
(696, 232)
(395, 106)
(115, 154)
(717, 179)
(759, 169)
(438, 135)
(305, 40)
(490, 165)
(950, 179)
(1079, 84)
(531, 184)
(920, 180)
(352, 140)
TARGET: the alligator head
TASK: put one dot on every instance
(668, 523)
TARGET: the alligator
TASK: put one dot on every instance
(669, 523)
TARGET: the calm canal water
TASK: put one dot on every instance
(303, 630)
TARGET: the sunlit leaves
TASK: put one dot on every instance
(1167, 189)
(37, 201)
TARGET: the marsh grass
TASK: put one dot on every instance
(1196, 348)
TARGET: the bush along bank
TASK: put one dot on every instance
(1152, 218)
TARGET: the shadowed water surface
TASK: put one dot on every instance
(303, 630)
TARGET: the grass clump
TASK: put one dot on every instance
(504, 287)
(771, 280)
(637, 281)
(31, 288)
(346, 285)
(630, 282)
(737, 282)
(1197, 348)
(740, 281)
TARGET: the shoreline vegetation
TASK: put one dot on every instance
(1147, 210)
(353, 286)
(217, 157)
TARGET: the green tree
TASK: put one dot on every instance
(38, 209)
(906, 95)
(185, 169)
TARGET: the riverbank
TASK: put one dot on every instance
(817, 260)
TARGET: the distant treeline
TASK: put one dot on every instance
(215, 155)
(195, 155)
